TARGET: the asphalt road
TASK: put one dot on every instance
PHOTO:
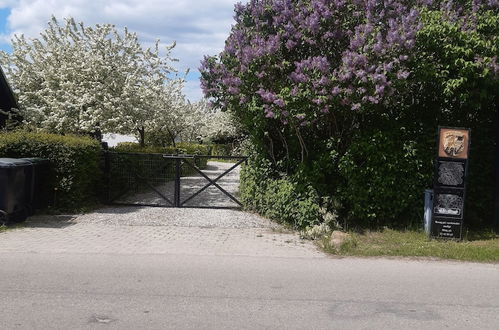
(70, 290)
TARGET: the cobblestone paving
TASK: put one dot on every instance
(113, 239)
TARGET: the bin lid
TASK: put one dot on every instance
(13, 162)
(35, 160)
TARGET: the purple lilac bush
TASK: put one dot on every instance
(311, 79)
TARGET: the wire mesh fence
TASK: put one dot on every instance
(141, 179)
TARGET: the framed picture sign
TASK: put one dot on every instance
(451, 170)
(453, 143)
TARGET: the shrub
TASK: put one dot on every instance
(180, 148)
(280, 198)
(221, 149)
(74, 161)
(346, 96)
(134, 147)
(384, 177)
(193, 148)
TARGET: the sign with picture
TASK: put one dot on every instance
(453, 143)
(451, 173)
(450, 182)
(448, 203)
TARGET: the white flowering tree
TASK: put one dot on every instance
(168, 117)
(224, 126)
(180, 120)
(80, 79)
(219, 125)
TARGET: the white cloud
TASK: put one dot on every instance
(199, 27)
(7, 3)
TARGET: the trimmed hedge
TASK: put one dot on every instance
(181, 148)
(221, 150)
(75, 172)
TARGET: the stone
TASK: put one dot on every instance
(338, 238)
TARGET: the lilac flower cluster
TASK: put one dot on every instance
(301, 60)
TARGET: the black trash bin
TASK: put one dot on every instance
(38, 193)
(15, 181)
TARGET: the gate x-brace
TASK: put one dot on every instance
(186, 159)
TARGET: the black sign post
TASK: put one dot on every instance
(449, 185)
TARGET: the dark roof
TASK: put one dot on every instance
(7, 98)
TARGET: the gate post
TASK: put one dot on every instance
(107, 177)
(176, 197)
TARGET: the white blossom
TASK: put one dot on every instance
(75, 78)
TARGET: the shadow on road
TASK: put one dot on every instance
(49, 221)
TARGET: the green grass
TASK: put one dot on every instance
(483, 247)
(4, 228)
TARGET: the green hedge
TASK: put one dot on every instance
(221, 150)
(75, 172)
(180, 148)
(278, 197)
(384, 176)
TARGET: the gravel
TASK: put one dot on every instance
(185, 217)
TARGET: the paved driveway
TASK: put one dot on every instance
(147, 230)
(154, 268)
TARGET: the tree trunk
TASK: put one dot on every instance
(142, 132)
(97, 134)
(172, 137)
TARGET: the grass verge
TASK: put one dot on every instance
(478, 247)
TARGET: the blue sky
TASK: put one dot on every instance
(4, 13)
(199, 27)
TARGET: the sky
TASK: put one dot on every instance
(199, 27)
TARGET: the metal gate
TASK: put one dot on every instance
(172, 180)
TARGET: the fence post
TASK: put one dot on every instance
(107, 177)
(176, 197)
